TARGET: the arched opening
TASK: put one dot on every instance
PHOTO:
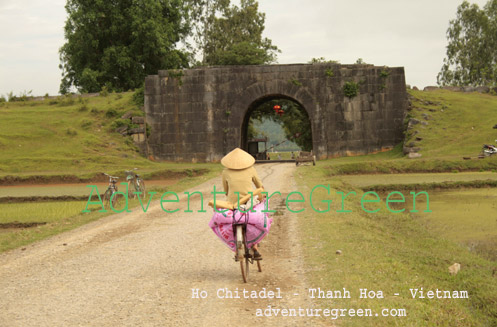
(276, 126)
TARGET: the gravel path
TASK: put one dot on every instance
(139, 269)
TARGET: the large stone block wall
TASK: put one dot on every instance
(200, 114)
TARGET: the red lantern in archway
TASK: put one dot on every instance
(278, 110)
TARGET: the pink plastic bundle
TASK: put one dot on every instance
(258, 224)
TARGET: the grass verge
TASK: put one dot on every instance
(363, 165)
(392, 253)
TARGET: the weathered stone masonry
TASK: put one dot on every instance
(201, 114)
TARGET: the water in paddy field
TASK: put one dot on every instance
(466, 216)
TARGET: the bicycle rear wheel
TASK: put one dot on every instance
(247, 262)
(240, 252)
(116, 199)
(131, 188)
(107, 195)
(141, 187)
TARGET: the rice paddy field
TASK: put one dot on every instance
(61, 190)
(363, 180)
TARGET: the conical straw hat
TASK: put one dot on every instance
(237, 159)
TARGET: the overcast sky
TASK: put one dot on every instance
(406, 33)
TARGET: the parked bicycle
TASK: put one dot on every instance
(111, 193)
(135, 184)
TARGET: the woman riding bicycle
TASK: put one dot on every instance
(238, 178)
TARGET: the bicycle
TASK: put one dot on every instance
(111, 193)
(135, 182)
(243, 253)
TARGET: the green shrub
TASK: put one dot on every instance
(66, 100)
(148, 129)
(139, 96)
(71, 131)
(176, 74)
(129, 142)
(86, 123)
(350, 89)
(111, 113)
(295, 82)
(105, 91)
(83, 107)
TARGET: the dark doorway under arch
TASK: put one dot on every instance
(284, 112)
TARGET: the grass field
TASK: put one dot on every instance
(66, 135)
(465, 216)
(69, 189)
(376, 179)
(392, 253)
(72, 136)
(61, 216)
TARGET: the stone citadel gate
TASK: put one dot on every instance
(201, 114)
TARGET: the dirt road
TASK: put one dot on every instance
(139, 269)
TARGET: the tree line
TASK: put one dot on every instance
(115, 44)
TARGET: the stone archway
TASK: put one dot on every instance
(198, 114)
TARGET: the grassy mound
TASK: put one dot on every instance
(457, 123)
(66, 134)
(71, 138)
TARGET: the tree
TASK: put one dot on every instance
(472, 47)
(231, 35)
(117, 43)
(297, 125)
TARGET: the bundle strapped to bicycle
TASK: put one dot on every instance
(240, 228)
